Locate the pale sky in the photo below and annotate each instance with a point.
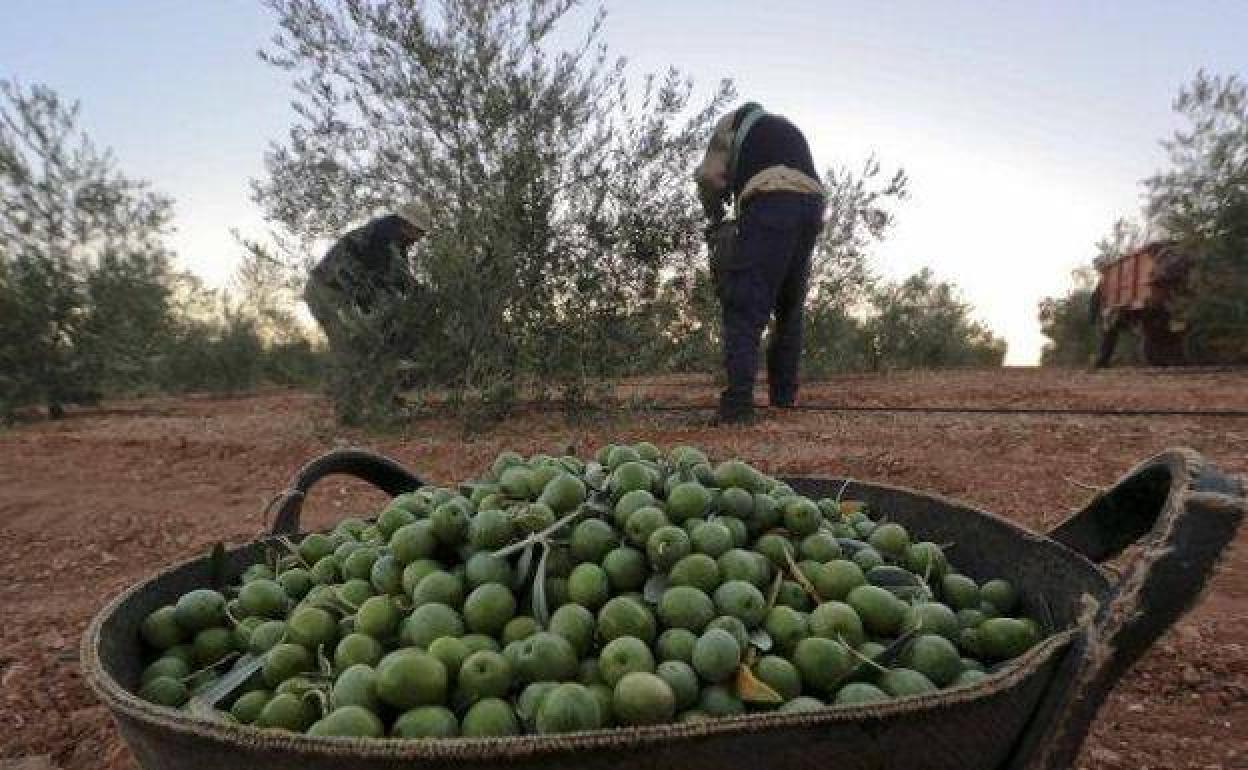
(1025, 127)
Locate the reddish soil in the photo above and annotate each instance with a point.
(93, 503)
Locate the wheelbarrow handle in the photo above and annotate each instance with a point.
(1183, 513)
(382, 472)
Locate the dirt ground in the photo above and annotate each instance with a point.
(93, 503)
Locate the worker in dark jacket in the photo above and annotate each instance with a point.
(1108, 321)
(365, 268)
(762, 164)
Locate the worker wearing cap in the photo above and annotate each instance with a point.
(361, 270)
(762, 164)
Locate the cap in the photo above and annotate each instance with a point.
(415, 214)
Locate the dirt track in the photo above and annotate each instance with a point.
(92, 504)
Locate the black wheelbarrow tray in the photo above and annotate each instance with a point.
(1178, 511)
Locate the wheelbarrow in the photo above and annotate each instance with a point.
(1178, 510)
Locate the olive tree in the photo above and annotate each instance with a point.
(1072, 322)
(860, 213)
(83, 266)
(1201, 202)
(1069, 323)
(923, 323)
(560, 187)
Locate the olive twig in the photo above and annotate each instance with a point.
(317, 694)
(229, 657)
(523, 566)
(290, 546)
(774, 592)
(862, 659)
(801, 579)
(352, 606)
(322, 661)
(841, 491)
(536, 537)
(336, 603)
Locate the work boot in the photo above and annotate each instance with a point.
(783, 399)
(733, 410)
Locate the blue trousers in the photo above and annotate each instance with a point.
(770, 275)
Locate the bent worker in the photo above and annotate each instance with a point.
(1107, 321)
(761, 164)
(366, 267)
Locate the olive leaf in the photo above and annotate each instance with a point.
(862, 668)
(197, 706)
(332, 604)
(751, 689)
(229, 657)
(796, 573)
(523, 567)
(272, 559)
(595, 477)
(774, 592)
(244, 668)
(881, 661)
(655, 586)
(597, 508)
(335, 601)
(851, 545)
(841, 492)
(292, 549)
(541, 612)
(323, 663)
(761, 639)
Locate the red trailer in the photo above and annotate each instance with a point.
(1135, 291)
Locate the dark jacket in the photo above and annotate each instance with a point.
(773, 141)
(773, 158)
(366, 260)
